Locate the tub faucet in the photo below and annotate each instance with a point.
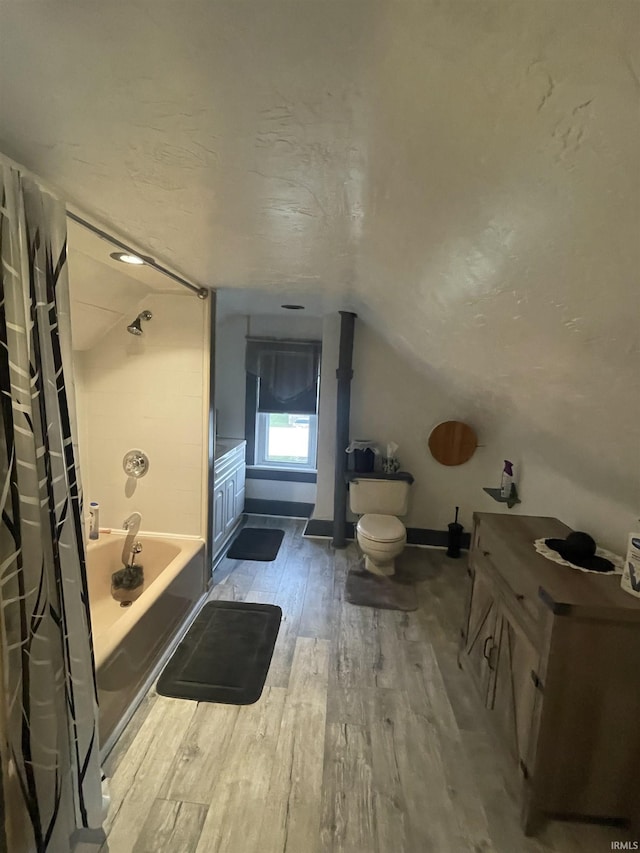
(131, 547)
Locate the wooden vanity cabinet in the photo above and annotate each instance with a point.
(554, 654)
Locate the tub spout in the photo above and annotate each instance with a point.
(132, 523)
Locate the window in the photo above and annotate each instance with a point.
(281, 421)
(286, 440)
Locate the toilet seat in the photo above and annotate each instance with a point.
(381, 528)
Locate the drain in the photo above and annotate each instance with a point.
(126, 603)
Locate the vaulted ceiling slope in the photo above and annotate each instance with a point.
(464, 174)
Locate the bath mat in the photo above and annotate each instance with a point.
(225, 655)
(365, 589)
(256, 543)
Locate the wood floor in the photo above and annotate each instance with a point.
(367, 738)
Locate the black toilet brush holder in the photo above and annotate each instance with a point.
(455, 537)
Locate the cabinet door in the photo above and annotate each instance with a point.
(240, 482)
(218, 516)
(480, 640)
(515, 690)
(229, 503)
(239, 503)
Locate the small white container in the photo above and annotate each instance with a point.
(630, 581)
(94, 520)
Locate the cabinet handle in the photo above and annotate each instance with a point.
(519, 596)
(487, 553)
(484, 649)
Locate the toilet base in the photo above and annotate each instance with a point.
(384, 569)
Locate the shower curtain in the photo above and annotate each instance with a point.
(48, 703)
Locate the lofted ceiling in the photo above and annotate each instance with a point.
(462, 174)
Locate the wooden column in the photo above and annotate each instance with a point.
(344, 374)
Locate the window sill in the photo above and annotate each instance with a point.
(273, 472)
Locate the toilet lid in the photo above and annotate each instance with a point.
(381, 528)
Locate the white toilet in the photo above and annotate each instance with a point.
(379, 499)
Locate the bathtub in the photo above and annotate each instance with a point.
(130, 641)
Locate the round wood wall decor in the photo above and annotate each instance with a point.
(452, 443)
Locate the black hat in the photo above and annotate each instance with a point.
(580, 549)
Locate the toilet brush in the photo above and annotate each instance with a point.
(455, 537)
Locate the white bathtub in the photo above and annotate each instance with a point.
(129, 641)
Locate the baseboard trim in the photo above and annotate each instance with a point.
(291, 509)
(434, 538)
(323, 528)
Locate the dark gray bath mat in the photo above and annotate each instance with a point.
(387, 593)
(225, 654)
(256, 543)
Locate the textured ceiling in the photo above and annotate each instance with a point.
(463, 174)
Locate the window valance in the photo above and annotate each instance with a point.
(288, 373)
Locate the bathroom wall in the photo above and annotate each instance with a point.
(148, 393)
(230, 375)
(392, 401)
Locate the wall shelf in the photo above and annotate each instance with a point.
(511, 501)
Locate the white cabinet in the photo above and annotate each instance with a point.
(228, 491)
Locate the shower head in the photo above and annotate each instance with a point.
(135, 328)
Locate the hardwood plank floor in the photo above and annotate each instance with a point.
(367, 738)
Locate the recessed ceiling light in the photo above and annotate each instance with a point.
(293, 307)
(126, 258)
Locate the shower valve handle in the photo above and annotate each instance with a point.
(135, 464)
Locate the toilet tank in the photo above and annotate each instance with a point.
(383, 496)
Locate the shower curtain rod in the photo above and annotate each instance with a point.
(201, 292)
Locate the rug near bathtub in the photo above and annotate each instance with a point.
(225, 655)
(256, 543)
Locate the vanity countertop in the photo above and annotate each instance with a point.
(226, 445)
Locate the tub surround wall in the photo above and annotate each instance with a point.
(149, 392)
(82, 420)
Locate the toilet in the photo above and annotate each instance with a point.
(379, 499)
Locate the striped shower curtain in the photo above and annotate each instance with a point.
(48, 706)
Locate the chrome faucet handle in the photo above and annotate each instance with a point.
(135, 463)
